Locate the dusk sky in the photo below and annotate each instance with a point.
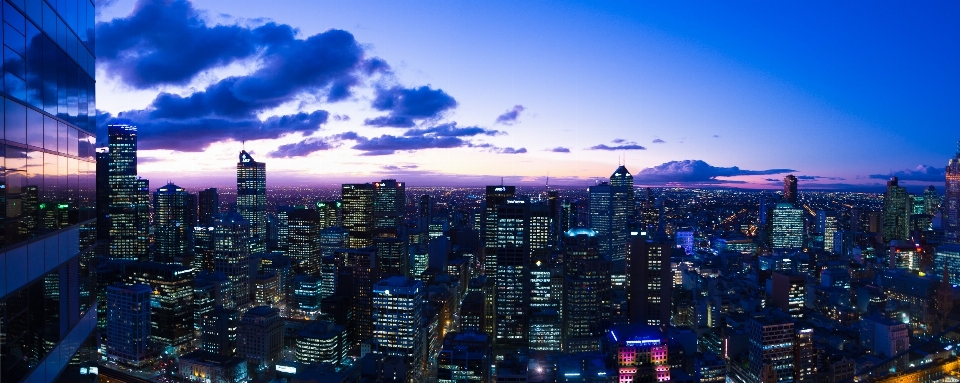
(841, 94)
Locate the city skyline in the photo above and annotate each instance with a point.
(443, 104)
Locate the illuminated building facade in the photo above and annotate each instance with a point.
(128, 323)
(170, 311)
(651, 283)
(951, 202)
(358, 214)
(771, 348)
(202, 367)
(389, 205)
(464, 358)
(231, 238)
(546, 332)
(639, 353)
(895, 212)
(129, 218)
(787, 231)
(174, 216)
(495, 196)
(307, 295)
(586, 284)
(303, 239)
(789, 292)
(252, 199)
(218, 331)
(399, 323)
(331, 213)
(512, 252)
(948, 256)
(609, 213)
(322, 342)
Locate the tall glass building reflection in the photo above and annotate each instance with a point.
(47, 188)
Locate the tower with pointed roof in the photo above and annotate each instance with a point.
(951, 203)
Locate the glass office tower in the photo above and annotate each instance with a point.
(47, 188)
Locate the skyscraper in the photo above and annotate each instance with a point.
(127, 232)
(951, 203)
(610, 208)
(172, 291)
(787, 230)
(128, 323)
(495, 196)
(231, 236)
(49, 119)
(790, 189)
(512, 254)
(586, 285)
(358, 214)
(398, 319)
(260, 337)
(389, 205)
(252, 199)
(651, 285)
(208, 206)
(771, 349)
(895, 214)
(303, 240)
(174, 216)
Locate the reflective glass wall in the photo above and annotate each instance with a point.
(47, 186)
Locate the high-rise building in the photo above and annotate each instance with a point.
(231, 236)
(650, 281)
(495, 196)
(771, 350)
(464, 357)
(128, 323)
(789, 292)
(322, 342)
(790, 189)
(331, 214)
(951, 202)
(174, 217)
(303, 239)
(49, 117)
(252, 199)
(260, 337)
(208, 206)
(129, 221)
(358, 214)
(586, 286)
(948, 256)
(641, 353)
(610, 208)
(171, 310)
(389, 205)
(398, 319)
(895, 214)
(512, 254)
(827, 226)
(787, 228)
(392, 256)
(425, 210)
(218, 331)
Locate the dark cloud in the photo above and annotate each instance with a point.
(451, 130)
(168, 42)
(196, 134)
(659, 141)
(406, 105)
(920, 173)
(509, 150)
(716, 136)
(302, 148)
(510, 117)
(696, 171)
(560, 149)
(341, 117)
(617, 147)
(618, 141)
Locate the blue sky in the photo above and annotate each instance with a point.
(730, 93)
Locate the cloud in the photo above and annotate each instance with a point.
(510, 117)
(196, 134)
(716, 136)
(341, 117)
(451, 130)
(168, 42)
(696, 171)
(406, 105)
(302, 148)
(924, 173)
(389, 144)
(659, 141)
(509, 150)
(560, 149)
(617, 147)
(618, 141)
(808, 178)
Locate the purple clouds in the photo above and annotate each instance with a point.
(923, 173)
(405, 106)
(510, 117)
(695, 171)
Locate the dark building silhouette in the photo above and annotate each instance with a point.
(208, 206)
(790, 189)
